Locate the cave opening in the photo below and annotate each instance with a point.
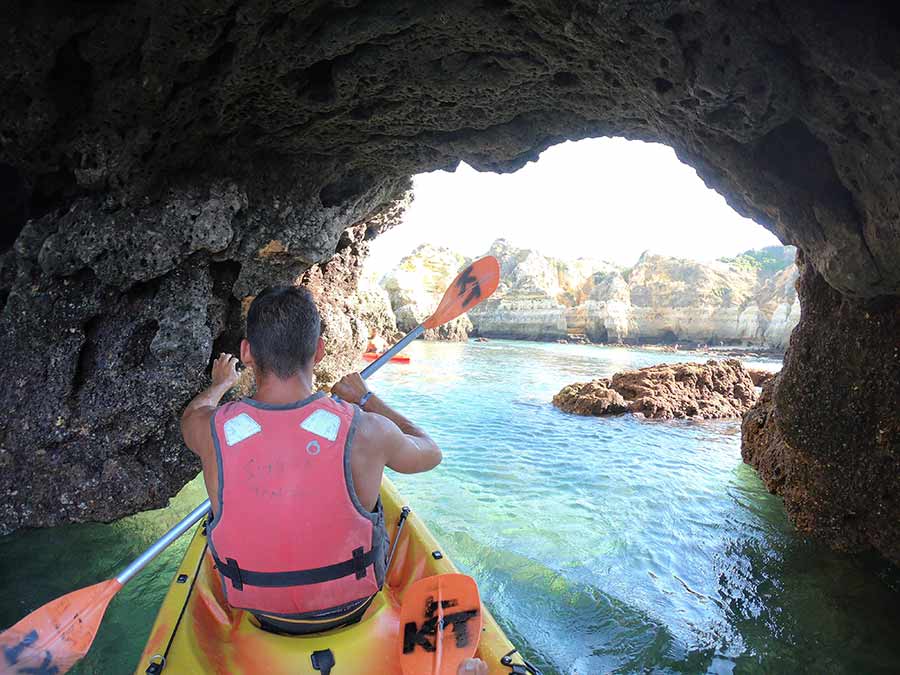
(618, 240)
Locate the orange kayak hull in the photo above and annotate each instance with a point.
(372, 356)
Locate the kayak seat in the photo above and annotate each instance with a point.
(316, 623)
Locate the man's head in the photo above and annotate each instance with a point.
(283, 333)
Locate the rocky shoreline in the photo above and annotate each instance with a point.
(747, 301)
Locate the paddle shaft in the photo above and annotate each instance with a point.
(163, 542)
(190, 519)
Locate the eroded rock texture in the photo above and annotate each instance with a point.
(825, 434)
(711, 390)
(175, 157)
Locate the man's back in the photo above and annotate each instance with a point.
(294, 477)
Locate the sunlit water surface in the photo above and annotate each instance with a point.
(601, 545)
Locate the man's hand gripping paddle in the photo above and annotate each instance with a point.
(57, 635)
(440, 624)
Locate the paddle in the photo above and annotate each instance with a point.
(57, 635)
(441, 619)
(475, 283)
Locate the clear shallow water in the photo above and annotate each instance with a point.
(601, 545)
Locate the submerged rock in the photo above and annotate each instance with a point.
(710, 390)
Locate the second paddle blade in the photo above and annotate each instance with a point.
(475, 283)
(54, 637)
(440, 624)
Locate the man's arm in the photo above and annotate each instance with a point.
(195, 420)
(404, 447)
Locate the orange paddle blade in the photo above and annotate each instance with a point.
(53, 638)
(475, 283)
(440, 622)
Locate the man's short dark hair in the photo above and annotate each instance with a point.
(283, 328)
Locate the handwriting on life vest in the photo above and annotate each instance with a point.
(12, 654)
(466, 283)
(426, 637)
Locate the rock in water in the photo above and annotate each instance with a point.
(590, 398)
(701, 391)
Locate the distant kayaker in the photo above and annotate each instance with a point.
(298, 532)
(376, 344)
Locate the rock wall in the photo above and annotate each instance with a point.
(659, 300)
(137, 135)
(111, 315)
(415, 288)
(663, 299)
(531, 301)
(825, 435)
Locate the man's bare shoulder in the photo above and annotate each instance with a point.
(196, 431)
(372, 432)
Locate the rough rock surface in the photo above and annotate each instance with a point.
(535, 292)
(708, 390)
(590, 398)
(416, 287)
(97, 408)
(663, 300)
(659, 300)
(375, 309)
(826, 433)
(761, 377)
(700, 390)
(131, 132)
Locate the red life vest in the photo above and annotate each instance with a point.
(291, 537)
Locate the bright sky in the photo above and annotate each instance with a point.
(604, 198)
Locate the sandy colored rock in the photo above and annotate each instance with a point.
(760, 377)
(590, 398)
(416, 286)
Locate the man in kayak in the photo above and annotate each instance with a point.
(298, 532)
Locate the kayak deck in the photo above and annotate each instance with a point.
(197, 632)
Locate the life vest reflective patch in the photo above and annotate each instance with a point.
(322, 423)
(240, 428)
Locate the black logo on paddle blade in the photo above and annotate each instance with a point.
(427, 636)
(466, 280)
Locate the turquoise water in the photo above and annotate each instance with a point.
(601, 545)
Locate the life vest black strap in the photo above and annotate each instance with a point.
(356, 566)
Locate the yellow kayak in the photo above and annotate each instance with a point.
(197, 632)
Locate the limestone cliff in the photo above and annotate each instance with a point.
(534, 296)
(415, 288)
(661, 299)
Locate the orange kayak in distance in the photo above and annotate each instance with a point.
(371, 356)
